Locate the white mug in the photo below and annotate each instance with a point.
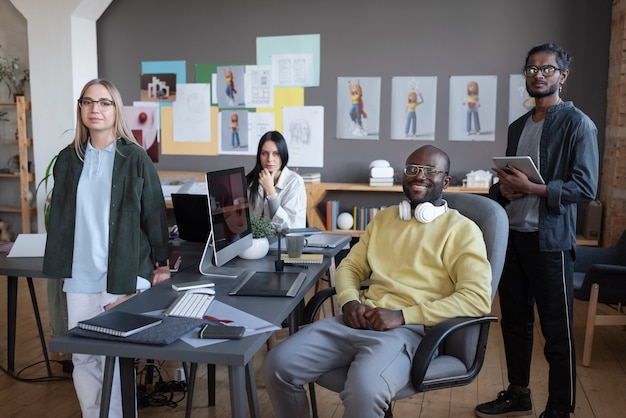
(295, 245)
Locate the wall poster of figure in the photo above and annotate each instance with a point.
(472, 115)
(413, 108)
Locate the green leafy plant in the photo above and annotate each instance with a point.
(44, 182)
(13, 76)
(261, 227)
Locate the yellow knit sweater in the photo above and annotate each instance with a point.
(432, 272)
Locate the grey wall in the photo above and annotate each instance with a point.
(367, 38)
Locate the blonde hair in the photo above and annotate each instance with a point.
(121, 126)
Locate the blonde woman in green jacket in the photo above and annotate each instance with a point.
(107, 231)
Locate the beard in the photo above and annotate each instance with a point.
(540, 94)
(433, 194)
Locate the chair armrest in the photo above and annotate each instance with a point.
(436, 336)
(314, 304)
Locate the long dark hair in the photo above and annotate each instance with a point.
(253, 176)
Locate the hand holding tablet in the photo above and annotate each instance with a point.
(523, 163)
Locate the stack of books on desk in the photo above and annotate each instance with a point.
(311, 177)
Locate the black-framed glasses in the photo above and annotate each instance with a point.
(546, 70)
(103, 103)
(411, 170)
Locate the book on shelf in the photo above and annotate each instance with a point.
(303, 259)
(119, 324)
(384, 181)
(332, 211)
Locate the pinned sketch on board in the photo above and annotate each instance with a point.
(519, 100)
(413, 108)
(234, 131)
(258, 124)
(472, 115)
(258, 81)
(192, 113)
(143, 120)
(294, 59)
(303, 129)
(230, 86)
(358, 107)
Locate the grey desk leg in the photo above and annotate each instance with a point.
(191, 384)
(42, 339)
(11, 319)
(129, 388)
(127, 377)
(253, 400)
(107, 383)
(237, 382)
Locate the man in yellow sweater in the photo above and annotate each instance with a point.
(425, 262)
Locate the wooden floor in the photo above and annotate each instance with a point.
(601, 388)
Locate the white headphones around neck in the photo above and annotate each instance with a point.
(424, 212)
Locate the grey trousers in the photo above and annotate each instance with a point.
(378, 362)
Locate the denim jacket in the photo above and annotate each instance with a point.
(568, 162)
(138, 235)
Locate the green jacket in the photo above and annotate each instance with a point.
(138, 235)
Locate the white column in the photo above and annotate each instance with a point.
(62, 54)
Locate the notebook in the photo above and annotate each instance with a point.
(192, 216)
(270, 283)
(171, 329)
(119, 324)
(303, 259)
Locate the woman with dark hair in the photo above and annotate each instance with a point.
(276, 192)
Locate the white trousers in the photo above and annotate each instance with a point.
(89, 369)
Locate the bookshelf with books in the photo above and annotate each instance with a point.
(317, 205)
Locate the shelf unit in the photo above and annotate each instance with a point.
(25, 177)
(316, 192)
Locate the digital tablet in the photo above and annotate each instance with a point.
(523, 163)
(270, 283)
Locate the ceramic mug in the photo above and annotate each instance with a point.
(295, 245)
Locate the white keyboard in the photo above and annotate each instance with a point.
(190, 305)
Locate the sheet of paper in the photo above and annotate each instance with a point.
(29, 245)
(254, 325)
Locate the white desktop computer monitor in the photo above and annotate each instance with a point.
(229, 217)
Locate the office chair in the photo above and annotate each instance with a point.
(452, 352)
(600, 278)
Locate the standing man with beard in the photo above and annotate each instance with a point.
(562, 141)
(423, 269)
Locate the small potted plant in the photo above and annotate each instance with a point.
(262, 229)
(13, 75)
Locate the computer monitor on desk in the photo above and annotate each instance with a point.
(229, 217)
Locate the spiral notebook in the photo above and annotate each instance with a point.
(120, 324)
(303, 259)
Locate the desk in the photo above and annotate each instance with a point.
(236, 354)
(14, 268)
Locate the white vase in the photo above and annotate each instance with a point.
(259, 249)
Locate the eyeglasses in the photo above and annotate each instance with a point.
(413, 170)
(104, 103)
(546, 70)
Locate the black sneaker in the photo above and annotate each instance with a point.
(508, 403)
